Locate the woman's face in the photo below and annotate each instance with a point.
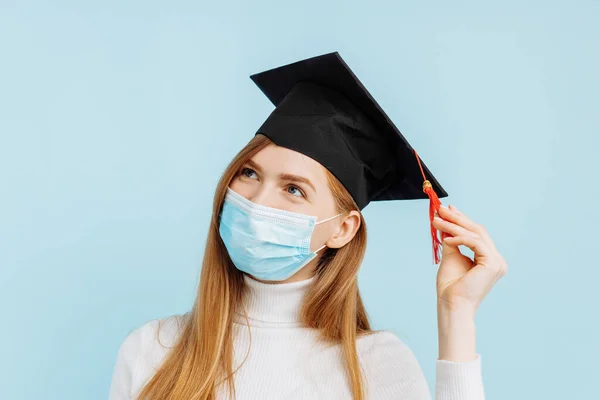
(288, 180)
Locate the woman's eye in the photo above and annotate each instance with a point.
(247, 172)
(295, 191)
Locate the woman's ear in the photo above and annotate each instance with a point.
(346, 231)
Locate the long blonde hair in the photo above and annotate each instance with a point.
(204, 351)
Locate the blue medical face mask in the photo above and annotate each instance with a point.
(268, 243)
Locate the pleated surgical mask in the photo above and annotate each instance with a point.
(266, 242)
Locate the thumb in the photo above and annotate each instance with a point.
(447, 248)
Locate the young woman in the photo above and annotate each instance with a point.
(278, 313)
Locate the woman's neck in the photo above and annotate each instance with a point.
(273, 304)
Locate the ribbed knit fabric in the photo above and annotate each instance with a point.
(287, 362)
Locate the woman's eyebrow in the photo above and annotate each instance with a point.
(285, 177)
(296, 178)
(254, 165)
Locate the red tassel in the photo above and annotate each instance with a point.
(434, 206)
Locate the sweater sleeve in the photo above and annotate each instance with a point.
(459, 380)
(395, 373)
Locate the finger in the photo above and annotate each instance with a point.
(450, 227)
(453, 208)
(444, 234)
(457, 218)
(489, 242)
(448, 248)
(476, 244)
(462, 220)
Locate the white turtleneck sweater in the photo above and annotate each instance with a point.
(287, 362)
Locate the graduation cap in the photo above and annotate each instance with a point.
(322, 110)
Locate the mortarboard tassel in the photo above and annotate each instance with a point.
(434, 206)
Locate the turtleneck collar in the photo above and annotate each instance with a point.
(273, 304)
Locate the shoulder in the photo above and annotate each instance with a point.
(391, 367)
(161, 332)
(383, 344)
(142, 351)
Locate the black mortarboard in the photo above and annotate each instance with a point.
(322, 110)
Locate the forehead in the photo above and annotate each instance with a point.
(278, 160)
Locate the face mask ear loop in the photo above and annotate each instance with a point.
(328, 219)
(325, 220)
(319, 249)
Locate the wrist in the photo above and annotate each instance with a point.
(456, 335)
(456, 306)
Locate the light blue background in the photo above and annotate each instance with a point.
(117, 119)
